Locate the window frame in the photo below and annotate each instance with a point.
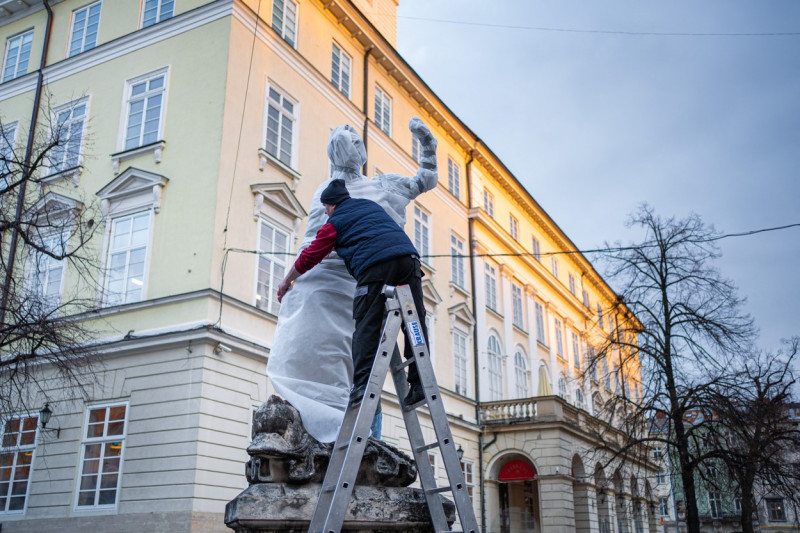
(16, 450)
(571, 282)
(160, 17)
(284, 114)
(416, 149)
(57, 168)
(453, 178)
(87, 441)
(536, 249)
(129, 100)
(423, 238)
(495, 368)
(460, 362)
(557, 328)
(457, 262)
(715, 504)
(576, 351)
(521, 373)
(663, 507)
(517, 309)
(383, 110)
(281, 29)
(110, 249)
(84, 46)
(490, 278)
(338, 70)
(468, 471)
(513, 227)
(541, 331)
(276, 228)
(8, 146)
(19, 71)
(579, 399)
(776, 509)
(554, 266)
(31, 273)
(488, 202)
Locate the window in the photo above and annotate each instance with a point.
(8, 140)
(559, 339)
(457, 275)
(469, 479)
(460, 362)
(776, 510)
(737, 502)
(540, 323)
(284, 20)
(416, 149)
(590, 361)
(516, 305)
(663, 506)
(576, 353)
(127, 258)
(340, 70)
(571, 283)
(280, 126)
(611, 325)
(453, 178)
(521, 374)
(562, 387)
(69, 123)
(495, 370)
(101, 456)
(537, 254)
(491, 287)
(513, 227)
(145, 110)
(616, 379)
(606, 375)
(578, 398)
(715, 503)
(156, 11)
(658, 454)
(554, 266)
(16, 462)
(661, 477)
(84, 28)
(422, 234)
(18, 51)
(45, 273)
(586, 300)
(600, 316)
(432, 459)
(383, 111)
(273, 246)
(488, 202)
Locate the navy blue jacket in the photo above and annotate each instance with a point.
(366, 235)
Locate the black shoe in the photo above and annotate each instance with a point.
(357, 394)
(415, 395)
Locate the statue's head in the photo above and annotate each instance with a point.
(346, 149)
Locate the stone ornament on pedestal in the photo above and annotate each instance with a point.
(287, 465)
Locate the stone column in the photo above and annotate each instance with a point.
(585, 507)
(558, 513)
(606, 511)
(509, 381)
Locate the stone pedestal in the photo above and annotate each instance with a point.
(285, 508)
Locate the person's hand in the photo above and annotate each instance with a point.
(283, 288)
(420, 130)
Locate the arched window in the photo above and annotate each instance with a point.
(495, 369)
(579, 398)
(521, 373)
(562, 387)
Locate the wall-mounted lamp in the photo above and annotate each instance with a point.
(460, 452)
(44, 419)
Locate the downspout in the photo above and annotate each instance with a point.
(475, 349)
(12, 249)
(366, 105)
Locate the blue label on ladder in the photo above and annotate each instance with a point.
(416, 332)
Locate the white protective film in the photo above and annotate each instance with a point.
(310, 363)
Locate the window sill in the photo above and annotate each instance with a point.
(494, 312)
(455, 287)
(156, 148)
(70, 173)
(519, 329)
(542, 345)
(265, 157)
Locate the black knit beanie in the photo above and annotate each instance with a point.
(335, 193)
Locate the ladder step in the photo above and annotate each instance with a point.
(404, 364)
(413, 406)
(426, 447)
(437, 490)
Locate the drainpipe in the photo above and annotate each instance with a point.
(475, 348)
(12, 248)
(366, 103)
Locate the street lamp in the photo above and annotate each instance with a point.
(460, 452)
(44, 419)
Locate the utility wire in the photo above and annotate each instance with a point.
(604, 32)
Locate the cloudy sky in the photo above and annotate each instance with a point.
(613, 113)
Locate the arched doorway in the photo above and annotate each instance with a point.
(519, 497)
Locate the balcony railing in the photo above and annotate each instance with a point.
(508, 411)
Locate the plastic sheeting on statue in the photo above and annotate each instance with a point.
(310, 363)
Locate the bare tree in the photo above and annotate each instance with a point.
(755, 433)
(677, 323)
(45, 232)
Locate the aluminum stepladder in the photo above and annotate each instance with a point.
(348, 450)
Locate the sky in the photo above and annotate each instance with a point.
(613, 113)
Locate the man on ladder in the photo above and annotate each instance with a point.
(378, 253)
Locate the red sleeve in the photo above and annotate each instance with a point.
(319, 248)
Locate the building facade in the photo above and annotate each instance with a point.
(198, 134)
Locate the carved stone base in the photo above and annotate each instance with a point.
(284, 508)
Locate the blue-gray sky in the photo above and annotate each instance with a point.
(593, 124)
